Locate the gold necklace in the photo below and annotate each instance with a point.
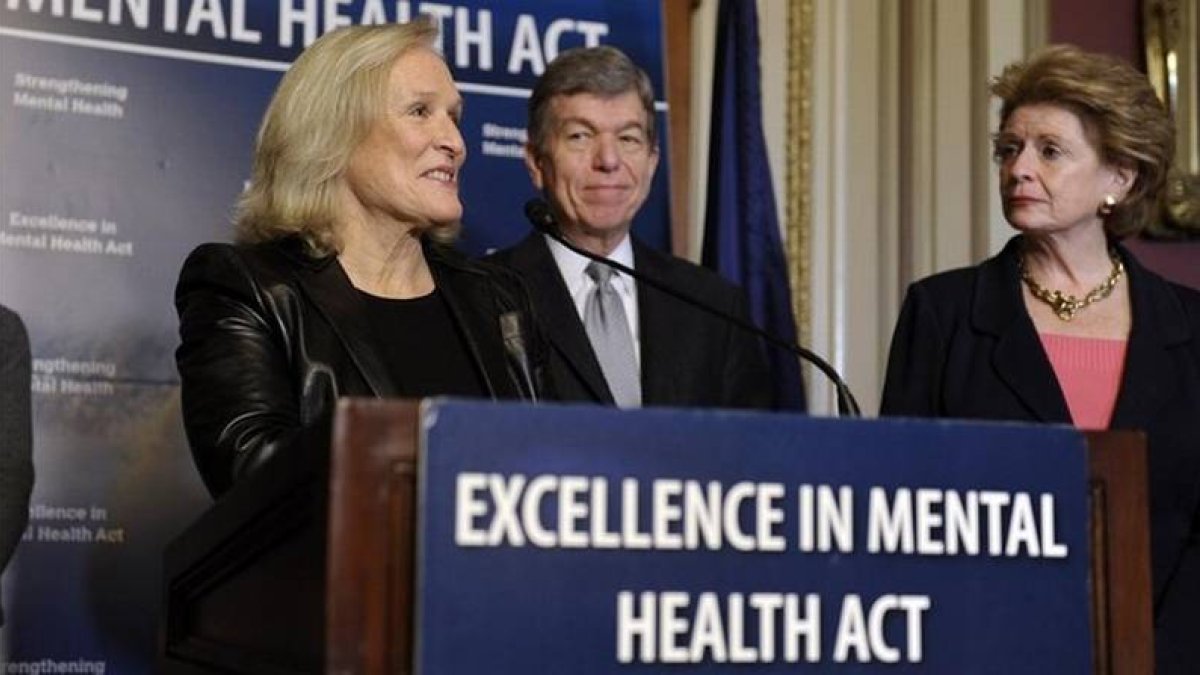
(1067, 306)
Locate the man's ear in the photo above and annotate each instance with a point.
(532, 166)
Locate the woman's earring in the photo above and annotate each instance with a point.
(1110, 203)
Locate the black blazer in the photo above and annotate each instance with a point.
(965, 347)
(688, 357)
(271, 336)
(16, 436)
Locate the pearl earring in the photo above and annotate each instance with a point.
(1109, 204)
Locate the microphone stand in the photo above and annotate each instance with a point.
(539, 215)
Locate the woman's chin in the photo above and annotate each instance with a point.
(1018, 225)
(1028, 225)
(447, 220)
(444, 230)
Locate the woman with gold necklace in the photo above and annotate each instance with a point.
(1063, 325)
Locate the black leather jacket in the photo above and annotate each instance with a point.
(272, 336)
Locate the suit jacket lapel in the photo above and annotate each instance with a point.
(656, 326)
(556, 312)
(1159, 324)
(330, 290)
(1018, 357)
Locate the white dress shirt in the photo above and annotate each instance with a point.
(571, 266)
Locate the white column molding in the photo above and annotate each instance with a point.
(937, 167)
(853, 239)
(827, 266)
(1010, 32)
(704, 41)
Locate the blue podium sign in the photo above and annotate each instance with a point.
(581, 540)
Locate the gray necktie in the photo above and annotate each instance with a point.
(608, 330)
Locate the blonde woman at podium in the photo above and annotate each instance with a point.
(342, 282)
(1064, 325)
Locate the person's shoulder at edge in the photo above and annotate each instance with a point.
(10, 322)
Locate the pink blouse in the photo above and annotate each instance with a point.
(1089, 374)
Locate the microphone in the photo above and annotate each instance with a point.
(543, 220)
(514, 344)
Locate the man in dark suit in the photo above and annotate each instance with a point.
(592, 152)
(16, 449)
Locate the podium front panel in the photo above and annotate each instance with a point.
(587, 540)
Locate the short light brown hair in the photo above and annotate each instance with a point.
(1122, 116)
(323, 109)
(601, 71)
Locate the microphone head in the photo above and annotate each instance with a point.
(539, 215)
(510, 326)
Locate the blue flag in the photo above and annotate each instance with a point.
(741, 238)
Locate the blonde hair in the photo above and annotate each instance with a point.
(323, 109)
(1121, 115)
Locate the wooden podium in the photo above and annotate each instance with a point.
(308, 565)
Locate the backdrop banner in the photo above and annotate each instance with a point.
(126, 136)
